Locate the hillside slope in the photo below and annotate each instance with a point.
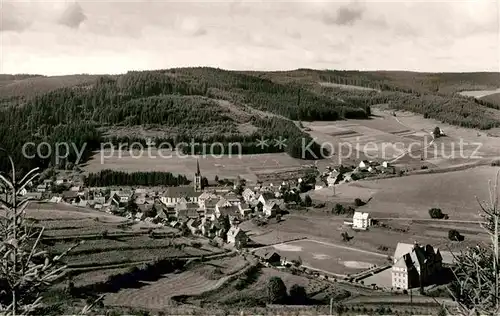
(214, 105)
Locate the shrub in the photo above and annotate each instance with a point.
(495, 163)
(455, 235)
(358, 202)
(298, 295)
(383, 248)
(276, 290)
(436, 213)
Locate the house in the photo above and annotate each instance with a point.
(272, 258)
(231, 210)
(75, 188)
(160, 210)
(223, 203)
(55, 199)
(265, 197)
(61, 181)
(210, 204)
(139, 199)
(244, 209)
(81, 203)
(70, 196)
(210, 214)
(147, 209)
(100, 199)
(361, 220)
(22, 192)
(41, 188)
(256, 205)
(232, 198)
(415, 265)
(248, 195)
(140, 216)
(123, 196)
(186, 210)
(236, 237)
(386, 164)
(33, 195)
(193, 225)
(270, 209)
(206, 196)
(140, 191)
(332, 178)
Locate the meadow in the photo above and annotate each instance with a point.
(246, 166)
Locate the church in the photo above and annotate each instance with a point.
(189, 194)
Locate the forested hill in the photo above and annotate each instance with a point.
(208, 104)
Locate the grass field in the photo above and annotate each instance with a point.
(230, 167)
(325, 257)
(411, 197)
(196, 281)
(479, 93)
(254, 290)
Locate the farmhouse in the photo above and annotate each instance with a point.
(248, 195)
(70, 196)
(272, 258)
(236, 236)
(232, 198)
(231, 210)
(41, 188)
(223, 203)
(265, 197)
(332, 178)
(361, 220)
(271, 208)
(244, 209)
(61, 181)
(414, 265)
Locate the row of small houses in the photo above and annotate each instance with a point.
(347, 174)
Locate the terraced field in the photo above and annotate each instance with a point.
(158, 295)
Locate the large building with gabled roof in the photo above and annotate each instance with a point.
(415, 265)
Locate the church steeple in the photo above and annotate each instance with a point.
(197, 178)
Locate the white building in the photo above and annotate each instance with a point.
(361, 220)
(415, 265)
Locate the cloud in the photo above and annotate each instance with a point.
(12, 18)
(115, 36)
(72, 16)
(345, 15)
(190, 26)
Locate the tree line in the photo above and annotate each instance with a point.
(154, 178)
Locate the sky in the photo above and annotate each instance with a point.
(91, 36)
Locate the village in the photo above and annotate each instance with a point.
(214, 211)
